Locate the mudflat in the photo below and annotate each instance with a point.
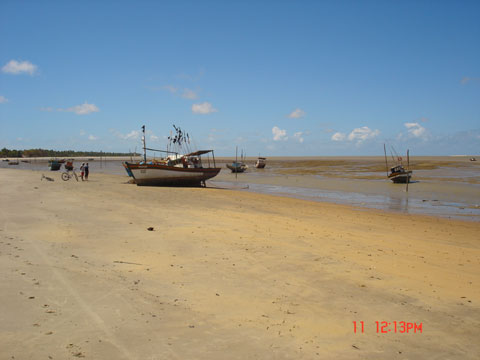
(108, 270)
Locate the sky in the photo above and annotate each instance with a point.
(273, 78)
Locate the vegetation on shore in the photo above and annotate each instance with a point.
(54, 153)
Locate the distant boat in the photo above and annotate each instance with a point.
(13, 162)
(175, 169)
(473, 159)
(7, 160)
(397, 173)
(261, 162)
(54, 164)
(237, 166)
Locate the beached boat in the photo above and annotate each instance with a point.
(175, 169)
(54, 164)
(397, 173)
(237, 167)
(261, 162)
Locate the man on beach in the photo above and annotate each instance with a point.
(86, 171)
(82, 169)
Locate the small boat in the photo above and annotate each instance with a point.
(54, 164)
(261, 162)
(473, 159)
(175, 169)
(237, 167)
(26, 161)
(398, 174)
(13, 162)
(7, 160)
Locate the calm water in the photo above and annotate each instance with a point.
(441, 186)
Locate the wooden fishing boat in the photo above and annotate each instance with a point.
(54, 165)
(261, 162)
(397, 173)
(175, 169)
(237, 167)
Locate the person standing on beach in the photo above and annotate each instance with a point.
(86, 171)
(82, 169)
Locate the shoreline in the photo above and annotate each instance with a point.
(225, 274)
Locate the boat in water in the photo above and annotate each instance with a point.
(54, 164)
(397, 173)
(176, 168)
(261, 162)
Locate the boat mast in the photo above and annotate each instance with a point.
(386, 163)
(144, 146)
(408, 168)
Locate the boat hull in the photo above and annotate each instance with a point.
(236, 168)
(163, 175)
(401, 178)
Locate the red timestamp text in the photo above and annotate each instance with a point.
(385, 327)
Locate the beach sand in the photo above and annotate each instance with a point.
(226, 275)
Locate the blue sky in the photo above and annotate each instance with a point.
(271, 77)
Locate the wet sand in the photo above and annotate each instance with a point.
(226, 274)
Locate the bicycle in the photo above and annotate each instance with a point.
(68, 174)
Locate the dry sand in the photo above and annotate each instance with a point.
(225, 275)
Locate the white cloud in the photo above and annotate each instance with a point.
(189, 94)
(92, 138)
(279, 134)
(134, 134)
(19, 67)
(153, 137)
(362, 134)
(203, 108)
(48, 109)
(83, 109)
(170, 88)
(416, 130)
(3, 99)
(338, 136)
(298, 136)
(466, 80)
(297, 113)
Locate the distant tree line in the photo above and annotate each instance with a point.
(55, 153)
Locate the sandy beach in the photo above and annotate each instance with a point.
(226, 275)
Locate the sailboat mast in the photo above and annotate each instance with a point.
(386, 163)
(144, 146)
(408, 167)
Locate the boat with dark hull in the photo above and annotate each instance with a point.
(175, 169)
(397, 173)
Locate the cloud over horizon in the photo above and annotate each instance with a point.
(279, 134)
(416, 130)
(358, 135)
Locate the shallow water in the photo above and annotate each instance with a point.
(446, 187)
